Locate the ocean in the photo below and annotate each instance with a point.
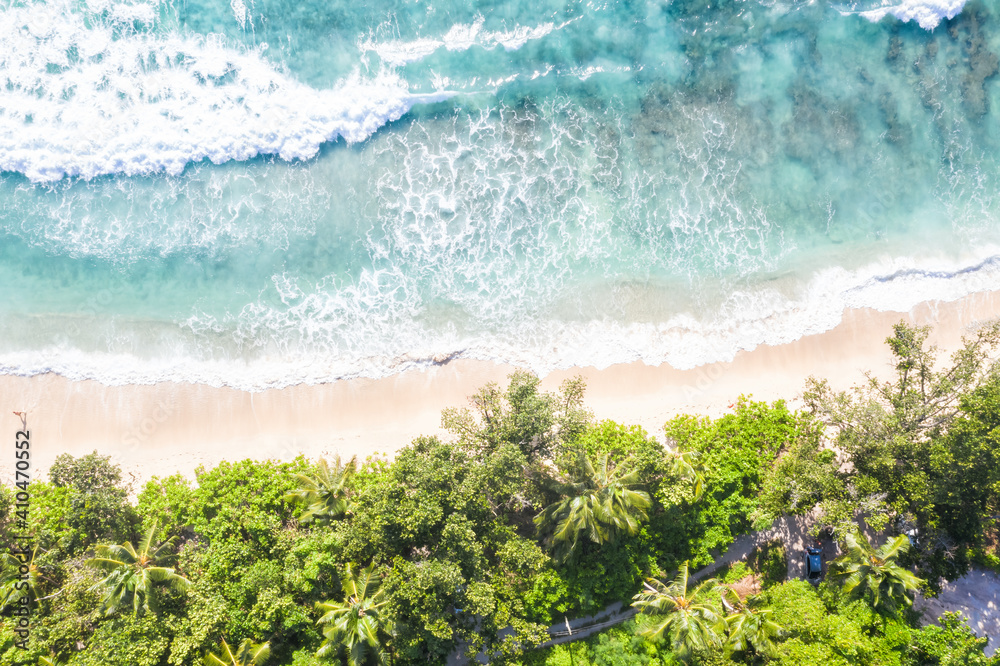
(261, 193)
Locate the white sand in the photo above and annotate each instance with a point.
(175, 427)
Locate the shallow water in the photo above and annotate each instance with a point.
(265, 193)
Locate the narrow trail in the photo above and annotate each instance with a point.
(977, 595)
(793, 531)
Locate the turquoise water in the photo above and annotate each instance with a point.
(265, 193)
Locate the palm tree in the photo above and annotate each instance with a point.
(600, 505)
(247, 654)
(748, 628)
(134, 574)
(688, 466)
(874, 573)
(356, 623)
(12, 580)
(689, 623)
(325, 494)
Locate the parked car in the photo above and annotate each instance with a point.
(814, 563)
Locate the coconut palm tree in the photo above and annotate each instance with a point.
(688, 466)
(748, 628)
(324, 495)
(247, 654)
(356, 624)
(874, 573)
(679, 615)
(133, 574)
(599, 504)
(15, 585)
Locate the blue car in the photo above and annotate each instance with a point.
(814, 564)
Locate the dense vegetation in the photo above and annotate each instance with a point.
(531, 513)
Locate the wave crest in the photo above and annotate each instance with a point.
(86, 94)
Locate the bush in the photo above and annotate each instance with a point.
(87, 473)
(951, 644)
(736, 451)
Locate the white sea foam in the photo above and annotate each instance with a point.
(81, 95)
(460, 37)
(927, 13)
(745, 321)
(240, 13)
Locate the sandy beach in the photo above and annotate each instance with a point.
(161, 429)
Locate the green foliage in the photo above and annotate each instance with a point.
(166, 503)
(310, 568)
(247, 653)
(750, 631)
(950, 644)
(88, 473)
(736, 451)
(449, 527)
(448, 520)
(324, 493)
(24, 577)
(873, 573)
(681, 615)
(6, 507)
(964, 467)
(611, 573)
(599, 503)
(134, 573)
(95, 516)
(47, 520)
(617, 646)
(243, 501)
(627, 446)
(84, 504)
(814, 635)
(426, 600)
(98, 504)
(805, 475)
(127, 640)
(207, 615)
(536, 423)
(733, 572)
(70, 617)
(357, 626)
(408, 506)
(907, 448)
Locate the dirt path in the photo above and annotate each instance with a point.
(977, 595)
(793, 531)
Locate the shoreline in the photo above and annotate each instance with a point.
(165, 428)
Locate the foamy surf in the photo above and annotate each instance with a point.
(83, 96)
(745, 321)
(460, 37)
(927, 13)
